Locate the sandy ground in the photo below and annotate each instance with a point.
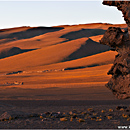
(35, 102)
(57, 93)
(111, 118)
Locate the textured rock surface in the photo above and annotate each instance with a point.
(114, 37)
(123, 6)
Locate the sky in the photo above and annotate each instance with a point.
(53, 13)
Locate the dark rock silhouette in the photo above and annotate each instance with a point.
(114, 37)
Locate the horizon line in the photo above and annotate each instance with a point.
(62, 25)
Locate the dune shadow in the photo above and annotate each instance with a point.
(13, 51)
(29, 33)
(82, 67)
(82, 33)
(26, 50)
(89, 48)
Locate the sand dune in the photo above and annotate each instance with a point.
(83, 33)
(103, 58)
(87, 49)
(90, 75)
(9, 52)
(24, 34)
(94, 25)
(50, 38)
(61, 70)
(50, 55)
(96, 38)
(58, 56)
(43, 56)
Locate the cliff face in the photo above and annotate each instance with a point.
(114, 37)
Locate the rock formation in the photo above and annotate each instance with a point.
(114, 37)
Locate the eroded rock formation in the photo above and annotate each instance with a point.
(114, 37)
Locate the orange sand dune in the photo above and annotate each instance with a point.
(50, 55)
(93, 76)
(25, 33)
(50, 38)
(90, 61)
(41, 57)
(67, 56)
(13, 30)
(96, 38)
(95, 25)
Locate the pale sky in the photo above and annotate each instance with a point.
(52, 13)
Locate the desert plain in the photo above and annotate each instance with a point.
(57, 68)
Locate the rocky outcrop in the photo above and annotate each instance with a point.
(114, 37)
(123, 6)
